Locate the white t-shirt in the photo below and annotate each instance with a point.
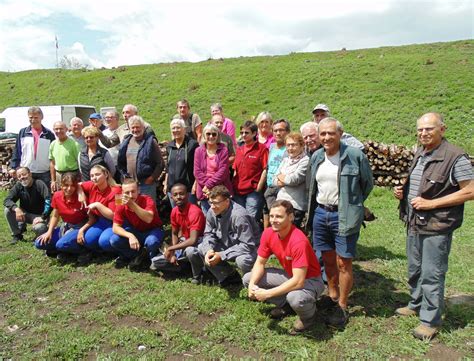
(326, 178)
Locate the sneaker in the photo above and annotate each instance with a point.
(16, 238)
(279, 312)
(326, 303)
(405, 311)
(84, 258)
(425, 333)
(196, 280)
(140, 261)
(339, 318)
(121, 262)
(302, 325)
(231, 280)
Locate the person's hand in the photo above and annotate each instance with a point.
(398, 192)
(94, 205)
(20, 215)
(80, 236)
(252, 289)
(37, 220)
(193, 190)
(54, 187)
(12, 173)
(168, 254)
(208, 255)
(133, 242)
(126, 199)
(261, 294)
(422, 204)
(214, 259)
(45, 238)
(173, 260)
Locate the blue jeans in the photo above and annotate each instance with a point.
(95, 232)
(150, 239)
(67, 243)
(148, 189)
(252, 202)
(427, 266)
(205, 206)
(104, 241)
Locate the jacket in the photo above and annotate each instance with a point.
(355, 182)
(101, 157)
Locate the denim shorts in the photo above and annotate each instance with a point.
(325, 234)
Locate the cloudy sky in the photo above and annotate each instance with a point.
(106, 33)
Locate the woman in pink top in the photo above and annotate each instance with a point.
(264, 123)
(211, 165)
(229, 126)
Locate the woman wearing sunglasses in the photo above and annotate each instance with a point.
(211, 165)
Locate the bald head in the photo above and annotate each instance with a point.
(430, 129)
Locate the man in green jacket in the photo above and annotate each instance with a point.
(340, 181)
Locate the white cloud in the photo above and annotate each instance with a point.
(147, 31)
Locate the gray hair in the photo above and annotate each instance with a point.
(179, 122)
(309, 125)
(60, 122)
(74, 119)
(132, 107)
(35, 110)
(211, 128)
(329, 120)
(216, 105)
(136, 119)
(261, 115)
(116, 113)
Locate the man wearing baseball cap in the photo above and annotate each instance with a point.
(96, 120)
(320, 112)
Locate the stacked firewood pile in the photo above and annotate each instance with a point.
(389, 163)
(6, 150)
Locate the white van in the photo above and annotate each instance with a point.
(14, 118)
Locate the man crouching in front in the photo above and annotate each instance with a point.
(299, 283)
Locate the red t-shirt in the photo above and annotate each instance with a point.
(71, 211)
(106, 197)
(189, 219)
(250, 162)
(294, 251)
(123, 213)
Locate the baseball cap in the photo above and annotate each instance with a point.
(321, 107)
(95, 116)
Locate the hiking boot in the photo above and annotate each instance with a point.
(140, 262)
(279, 312)
(231, 280)
(16, 238)
(339, 318)
(425, 333)
(326, 303)
(196, 280)
(405, 311)
(84, 259)
(302, 325)
(121, 262)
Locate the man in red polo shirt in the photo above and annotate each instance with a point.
(299, 283)
(137, 228)
(187, 226)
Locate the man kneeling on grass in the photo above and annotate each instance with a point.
(136, 226)
(231, 234)
(299, 283)
(187, 227)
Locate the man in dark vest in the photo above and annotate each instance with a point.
(431, 205)
(140, 157)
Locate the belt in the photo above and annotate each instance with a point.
(328, 208)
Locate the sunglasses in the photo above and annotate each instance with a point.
(211, 134)
(245, 133)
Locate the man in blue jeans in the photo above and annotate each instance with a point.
(340, 181)
(137, 228)
(431, 205)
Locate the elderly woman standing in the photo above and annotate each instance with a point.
(180, 167)
(265, 132)
(250, 171)
(211, 165)
(93, 154)
(291, 176)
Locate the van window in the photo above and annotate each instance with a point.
(2, 124)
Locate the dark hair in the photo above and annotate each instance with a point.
(285, 204)
(184, 102)
(219, 190)
(252, 126)
(25, 168)
(69, 177)
(286, 122)
(179, 185)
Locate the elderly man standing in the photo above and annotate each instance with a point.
(309, 131)
(76, 125)
(140, 157)
(32, 147)
(63, 155)
(34, 208)
(231, 234)
(112, 124)
(192, 120)
(340, 181)
(432, 201)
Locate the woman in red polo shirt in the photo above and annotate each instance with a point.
(250, 171)
(66, 206)
(100, 192)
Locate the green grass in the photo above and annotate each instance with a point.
(68, 312)
(376, 93)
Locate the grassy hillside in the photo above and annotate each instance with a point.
(376, 93)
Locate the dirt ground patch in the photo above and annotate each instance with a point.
(440, 352)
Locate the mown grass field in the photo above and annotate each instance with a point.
(49, 311)
(376, 93)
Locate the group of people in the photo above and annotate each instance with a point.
(224, 191)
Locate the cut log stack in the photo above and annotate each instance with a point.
(6, 150)
(389, 163)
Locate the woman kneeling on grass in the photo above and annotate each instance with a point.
(62, 241)
(100, 192)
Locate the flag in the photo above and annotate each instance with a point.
(57, 45)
